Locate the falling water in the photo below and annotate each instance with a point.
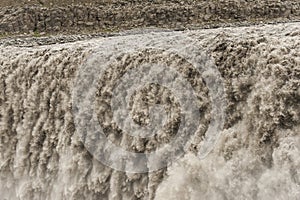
(256, 155)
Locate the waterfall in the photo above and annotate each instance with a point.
(255, 155)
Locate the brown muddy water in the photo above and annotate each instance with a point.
(255, 156)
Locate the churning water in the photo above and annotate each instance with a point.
(46, 151)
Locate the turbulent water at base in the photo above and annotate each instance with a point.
(257, 155)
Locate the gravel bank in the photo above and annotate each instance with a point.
(37, 19)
